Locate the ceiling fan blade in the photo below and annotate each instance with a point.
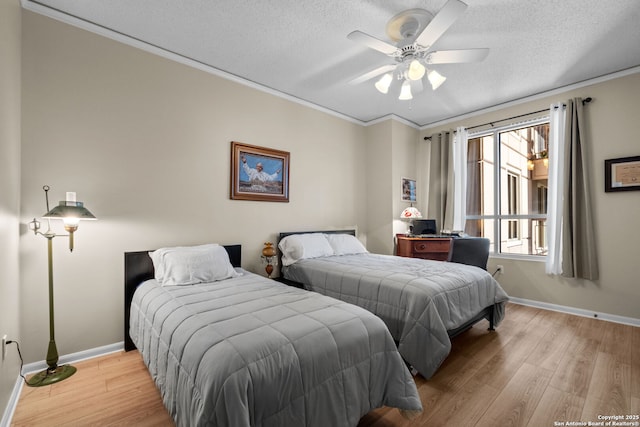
(456, 56)
(441, 22)
(373, 73)
(372, 42)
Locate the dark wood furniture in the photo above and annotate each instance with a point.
(434, 248)
(138, 267)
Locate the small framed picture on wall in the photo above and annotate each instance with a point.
(408, 190)
(622, 174)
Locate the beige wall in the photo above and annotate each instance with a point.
(145, 143)
(613, 131)
(9, 190)
(390, 156)
(405, 163)
(379, 183)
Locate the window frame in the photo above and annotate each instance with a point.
(498, 217)
(513, 202)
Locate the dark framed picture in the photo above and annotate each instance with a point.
(408, 190)
(622, 174)
(259, 173)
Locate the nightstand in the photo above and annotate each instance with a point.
(434, 248)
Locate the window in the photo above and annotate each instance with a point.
(507, 172)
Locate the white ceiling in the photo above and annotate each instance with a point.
(300, 48)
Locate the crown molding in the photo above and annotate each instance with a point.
(552, 92)
(74, 21)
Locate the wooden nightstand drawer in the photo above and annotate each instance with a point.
(432, 246)
(435, 248)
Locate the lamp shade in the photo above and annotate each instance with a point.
(383, 84)
(69, 211)
(405, 91)
(416, 70)
(435, 78)
(410, 213)
(268, 251)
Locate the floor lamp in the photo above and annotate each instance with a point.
(70, 212)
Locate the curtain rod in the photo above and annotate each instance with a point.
(584, 101)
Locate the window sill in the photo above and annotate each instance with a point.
(519, 257)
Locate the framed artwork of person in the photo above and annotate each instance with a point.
(259, 173)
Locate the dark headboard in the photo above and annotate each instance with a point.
(138, 267)
(350, 231)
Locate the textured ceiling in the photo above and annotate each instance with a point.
(300, 48)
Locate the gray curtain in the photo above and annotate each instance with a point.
(579, 255)
(440, 203)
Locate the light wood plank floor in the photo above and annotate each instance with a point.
(538, 368)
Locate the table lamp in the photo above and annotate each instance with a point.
(410, 213)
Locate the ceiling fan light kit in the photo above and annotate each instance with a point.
(385, 81)
(414, 32)
(435, 78)
(405, 91)
(416, 70)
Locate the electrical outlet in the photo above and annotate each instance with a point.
(500, 268)
(4, 346)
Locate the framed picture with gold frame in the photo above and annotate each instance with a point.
(622, 174)
(259, 173)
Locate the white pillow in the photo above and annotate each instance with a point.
(189, 265)
(345, 244)
(158, 257)
(302, 246)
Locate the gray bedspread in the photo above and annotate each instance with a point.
(419, 300)
(249, 351)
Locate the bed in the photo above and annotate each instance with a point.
(423, 303)
(246, 350)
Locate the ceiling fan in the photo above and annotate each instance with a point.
(414, 31)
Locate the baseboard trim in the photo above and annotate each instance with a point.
(39, 366)
(577, 311)
(11, 405)
(75, 357)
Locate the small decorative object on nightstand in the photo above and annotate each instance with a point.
(410, 214)
(269, 254)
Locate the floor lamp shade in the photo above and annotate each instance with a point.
(71, 212)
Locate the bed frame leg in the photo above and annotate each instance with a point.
(491, 314)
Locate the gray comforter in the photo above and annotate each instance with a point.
(251, 351)
(419, 300)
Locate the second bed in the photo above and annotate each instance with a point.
(423, 303)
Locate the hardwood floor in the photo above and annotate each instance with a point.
(112, 390)
(539, 368)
